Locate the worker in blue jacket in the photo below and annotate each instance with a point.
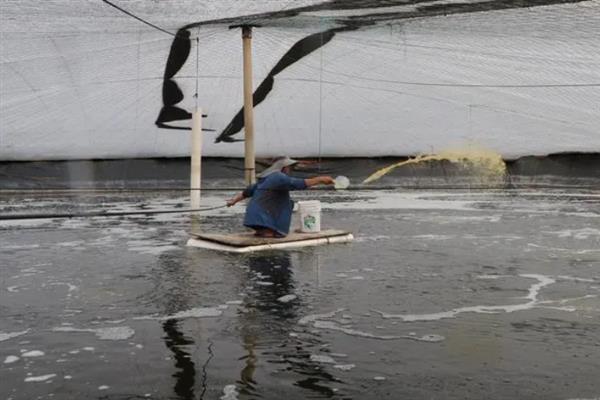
(269, 211)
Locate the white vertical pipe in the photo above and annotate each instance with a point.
(196, 163)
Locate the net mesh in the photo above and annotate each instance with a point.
(80, 79)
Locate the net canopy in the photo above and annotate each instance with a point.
(86, 79)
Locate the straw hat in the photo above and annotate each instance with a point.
(277, 166)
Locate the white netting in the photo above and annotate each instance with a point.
(79, 79)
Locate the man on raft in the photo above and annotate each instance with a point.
(269, 211)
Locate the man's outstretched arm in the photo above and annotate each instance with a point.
(319, 180)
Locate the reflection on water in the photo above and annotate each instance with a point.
(275, 271)
(266, 326)
(185, 375)
(264, 321)
(173, 289)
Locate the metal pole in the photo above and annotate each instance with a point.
(249, 162)
(196, 164)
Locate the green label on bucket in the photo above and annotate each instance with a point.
(309, 221)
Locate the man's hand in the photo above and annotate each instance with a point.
(238, 197)
(319, 180)
(327, 180)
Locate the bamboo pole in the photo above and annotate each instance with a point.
(196, 163)
(249, 159)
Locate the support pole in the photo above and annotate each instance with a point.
(249, 161)
(196, 164)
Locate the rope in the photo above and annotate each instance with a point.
(354, 188)
(102, 214)
(139, 19)
(440, 84)
(472, 85)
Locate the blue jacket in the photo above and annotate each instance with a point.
(270, 205)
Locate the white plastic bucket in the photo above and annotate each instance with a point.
(310, 216)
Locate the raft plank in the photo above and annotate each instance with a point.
(244, 239)
(247, 242)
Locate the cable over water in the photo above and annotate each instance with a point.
(104, 214)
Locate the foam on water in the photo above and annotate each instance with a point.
(20, 247)
(229, 393)
(536, 287)
(116, 321)
(562, 249)
(532, 296)
(11, 359)
(329, 325)
(114, 333)
(198, 312)
(388, 200)
(311, 318)
(344, 367)
(33, 353)
(575, 279)
(583, 398)
(432, 338)
(30, 223)
(261, 276)
(433, 237)
(395, 200)
(569, 300)
(40, 378)
(70, 244)
(373, 238)
(287, 298)
(128, 232)
(339, 355)
(487, 276)
(583, 233)
(154, 249)
(110, 333)
(320, 358)
(10, 335)
(70, 286)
